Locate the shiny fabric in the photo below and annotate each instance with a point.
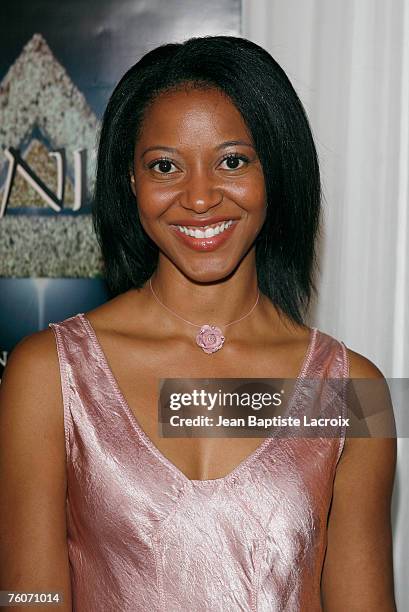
(144, 537)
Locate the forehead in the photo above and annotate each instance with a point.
(193, 115)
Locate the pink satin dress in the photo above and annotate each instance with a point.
(142, 537)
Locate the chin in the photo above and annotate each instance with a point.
(208, 267)
(208, 275)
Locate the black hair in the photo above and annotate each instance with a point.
(275, 117)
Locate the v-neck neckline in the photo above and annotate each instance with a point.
(233, 474)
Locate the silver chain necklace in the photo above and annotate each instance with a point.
(210, 338)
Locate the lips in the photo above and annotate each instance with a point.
(204, 243)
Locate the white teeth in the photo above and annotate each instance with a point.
(206, 232)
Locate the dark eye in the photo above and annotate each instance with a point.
(234, 162)
(164, 166)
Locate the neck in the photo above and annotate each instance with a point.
(216, 303)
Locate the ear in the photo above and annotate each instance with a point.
(132, 179)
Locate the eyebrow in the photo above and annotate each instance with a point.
(228, 143)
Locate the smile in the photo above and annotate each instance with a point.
(207, 237)
(208, 231)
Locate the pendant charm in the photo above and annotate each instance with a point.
(210, 338)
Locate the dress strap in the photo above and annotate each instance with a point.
(65, 338)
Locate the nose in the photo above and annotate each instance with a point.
(200, 193)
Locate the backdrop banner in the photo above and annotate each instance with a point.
(59, 63)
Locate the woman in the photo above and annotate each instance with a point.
(207, 207)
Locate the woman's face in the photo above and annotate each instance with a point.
(196, 169)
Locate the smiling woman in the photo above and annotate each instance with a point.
(267, 136)
(210, 168)
(207, 208)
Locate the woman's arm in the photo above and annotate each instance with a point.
(33, 544)
(358, 567)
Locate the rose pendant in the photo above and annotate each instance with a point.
(210, 338)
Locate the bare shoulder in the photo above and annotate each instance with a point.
(34, 357)
(362, 367)
(30, 389)
(39, 344)
(378, 450)
(31, 404)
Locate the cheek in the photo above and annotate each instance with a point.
(151, 200)
(249, 194)
(259, 189)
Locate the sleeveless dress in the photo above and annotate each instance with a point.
(143, 537)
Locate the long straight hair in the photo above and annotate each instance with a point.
(275, 117)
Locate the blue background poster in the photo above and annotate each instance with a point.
(59, 63)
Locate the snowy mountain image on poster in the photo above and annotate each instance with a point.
(44, 119)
